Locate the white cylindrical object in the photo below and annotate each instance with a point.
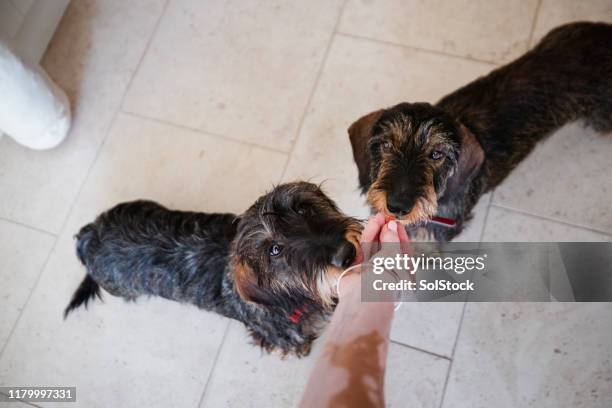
(33, 109)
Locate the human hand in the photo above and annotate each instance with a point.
(378, 230)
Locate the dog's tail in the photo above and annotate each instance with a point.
(88, 288)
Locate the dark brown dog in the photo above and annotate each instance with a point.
(420, 162)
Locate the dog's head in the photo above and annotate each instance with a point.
(410, 156)
(291, 245)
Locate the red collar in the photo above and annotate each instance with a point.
(443, 221)
(297, 314)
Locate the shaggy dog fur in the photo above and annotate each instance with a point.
(272, 268)
(417, 161)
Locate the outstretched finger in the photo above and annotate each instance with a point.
(370, 238)
(372, 229)
(389, 232)
(404, 239)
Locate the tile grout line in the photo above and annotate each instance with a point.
(413, 48)
(12, 2)
(170, 123)
(142, 57)
(545, 218)
(452, 358)
(431, 353)
(21, 224)
(214, 366)
(77, 195)
(203, 132)
(465, 304)
(313, 89)
(25, 303)
(534, 23)
(486, 218)
(461, 319)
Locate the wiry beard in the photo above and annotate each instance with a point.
(424, 207)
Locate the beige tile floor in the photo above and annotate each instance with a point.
(204, 105)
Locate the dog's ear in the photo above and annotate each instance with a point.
(469, 161)
(247, 286)
(360, 133)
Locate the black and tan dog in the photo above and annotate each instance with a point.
(420, 162)
(273, 268)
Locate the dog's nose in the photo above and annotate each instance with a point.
(398, 207)
(344, 256)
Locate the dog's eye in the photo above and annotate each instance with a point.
(386, 146)
(275, 250)
(437, 155)
(302, 210)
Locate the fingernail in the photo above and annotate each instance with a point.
(392, 225)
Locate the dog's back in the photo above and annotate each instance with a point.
(579, 57)
(141, 248)
(566, 77)
(476, 135)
